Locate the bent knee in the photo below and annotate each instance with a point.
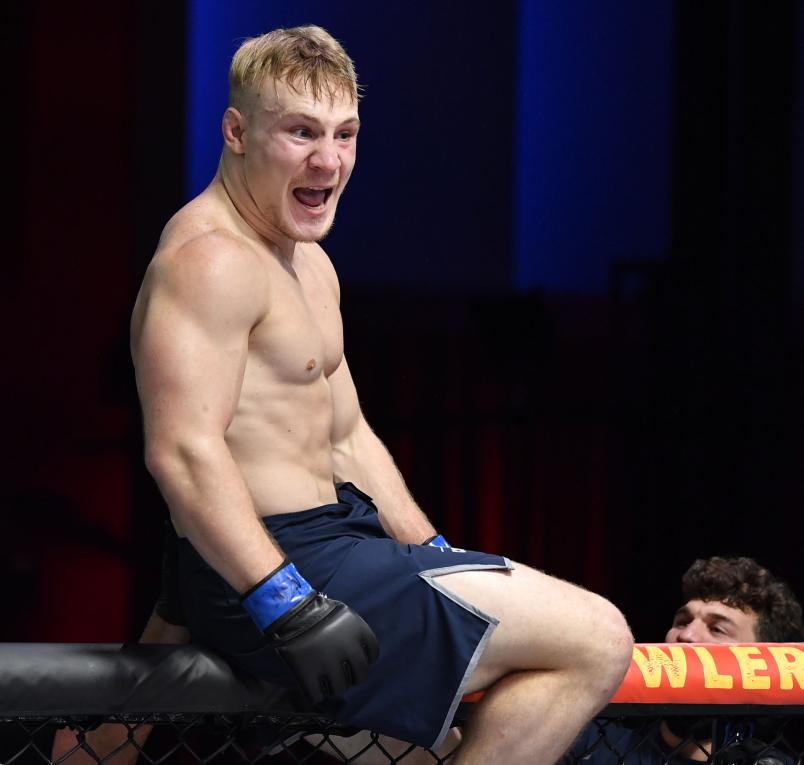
(611, 645)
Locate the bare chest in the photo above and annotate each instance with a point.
(301, 337)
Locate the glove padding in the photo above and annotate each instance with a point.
(327, 646)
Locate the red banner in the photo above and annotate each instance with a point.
(714, 673)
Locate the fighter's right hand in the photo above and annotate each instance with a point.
(325, 644)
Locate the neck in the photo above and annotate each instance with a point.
(691, 750)
(229, 177)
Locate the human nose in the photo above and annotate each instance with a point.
(690, 633)
(325, 157)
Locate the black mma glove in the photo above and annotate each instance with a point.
(325, 644)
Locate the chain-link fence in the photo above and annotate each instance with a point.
(199, 738)
(730, 738)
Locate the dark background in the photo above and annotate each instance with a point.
(571, 260)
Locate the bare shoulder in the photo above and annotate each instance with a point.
(209, 277)
(216, 255)
(206, 267)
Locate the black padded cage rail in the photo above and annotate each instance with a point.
(121, 704)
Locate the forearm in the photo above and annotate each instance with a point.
(210, 501)
(364, 460)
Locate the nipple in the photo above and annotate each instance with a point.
(310, 365)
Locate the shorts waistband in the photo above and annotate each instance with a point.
(306, 515)
(349, 496)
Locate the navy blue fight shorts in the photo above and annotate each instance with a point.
(430, 640)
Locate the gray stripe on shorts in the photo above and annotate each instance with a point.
(430, 576)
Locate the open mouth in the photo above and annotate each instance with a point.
(312, 197)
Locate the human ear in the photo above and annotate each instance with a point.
(233, 128)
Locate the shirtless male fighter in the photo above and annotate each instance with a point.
(254, 433)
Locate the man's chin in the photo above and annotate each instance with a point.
(307, 233)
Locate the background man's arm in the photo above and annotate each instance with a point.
(113, 737)
(360, 457)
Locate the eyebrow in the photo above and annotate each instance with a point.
(709, 616)
(721, 618)
(312, 118)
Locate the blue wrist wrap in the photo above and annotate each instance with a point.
(438, 541)
(276, 596)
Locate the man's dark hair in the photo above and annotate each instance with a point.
(742, 583)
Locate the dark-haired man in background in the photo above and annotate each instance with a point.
(727, 600)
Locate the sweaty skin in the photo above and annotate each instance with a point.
(248, 404)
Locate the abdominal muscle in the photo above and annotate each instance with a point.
(280, 440)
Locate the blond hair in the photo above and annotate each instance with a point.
(304, 58)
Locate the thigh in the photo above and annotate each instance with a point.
(544, 622)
